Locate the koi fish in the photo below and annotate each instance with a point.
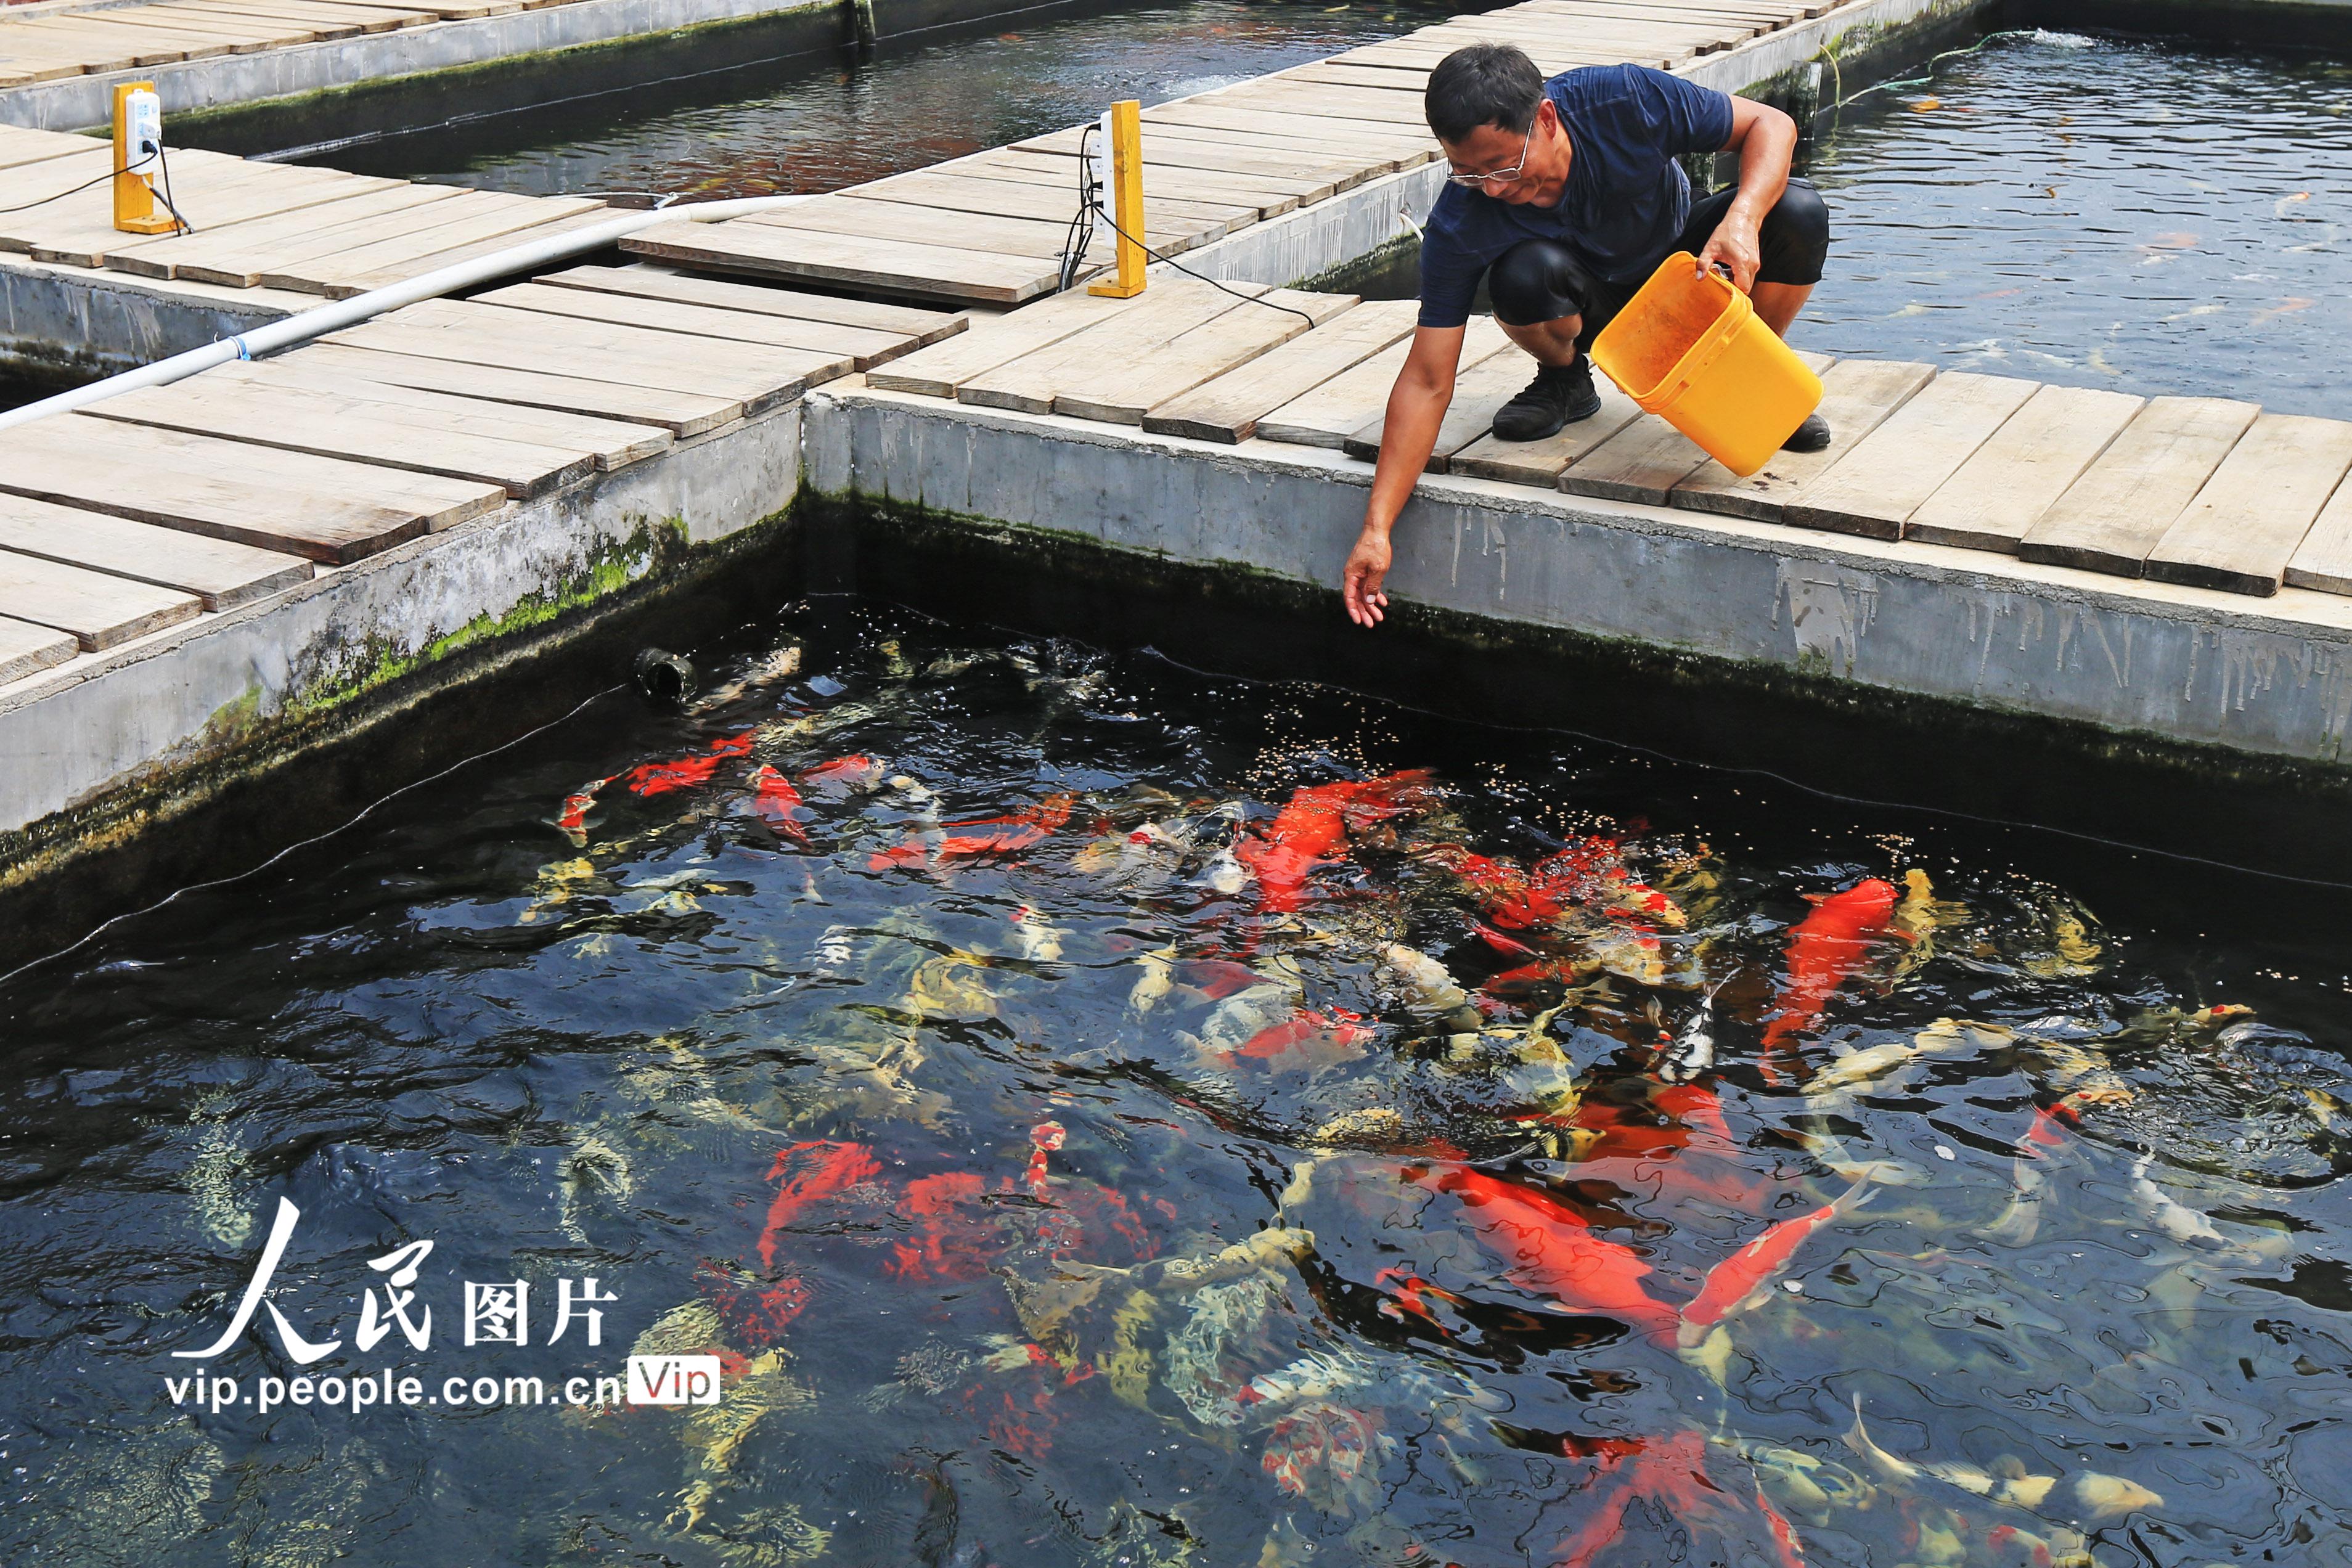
(1672, 1472)
(683, 773)
(2097, 1495)
(852, 774)
(809, 1172)
(1409, 1293)
(1691, 1051)
(571, 817)
(1310, 1039)
(1825, 949)
(774, 798)
(990, 835)
(1312, 828)
(2170, 1215)
(1548, 1249)
(1746, 1278)
(2022, 1218)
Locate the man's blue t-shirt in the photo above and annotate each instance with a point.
(1626, 198)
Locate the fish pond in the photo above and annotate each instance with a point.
(1091, 1112)
(718, 126)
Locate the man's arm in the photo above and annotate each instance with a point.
(1765, 140)
(1417, 406)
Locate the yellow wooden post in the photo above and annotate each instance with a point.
(1127, 201)
(138, 119)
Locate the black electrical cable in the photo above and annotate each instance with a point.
(1093, 205)
(1081, 232)
(61, 196)
(164, 158)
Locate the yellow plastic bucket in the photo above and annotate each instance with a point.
(1690, 349)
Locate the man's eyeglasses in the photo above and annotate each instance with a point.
(1509, 176)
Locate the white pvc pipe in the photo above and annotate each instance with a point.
(291, 330)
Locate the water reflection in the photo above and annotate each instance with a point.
(1097, 1114)
(2134, 216)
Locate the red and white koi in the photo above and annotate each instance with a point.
(1311, 829)
(1746, 1278)
(1825, 948)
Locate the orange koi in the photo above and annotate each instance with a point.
(1309, 1039)
(1825, 949)
(1746, 1278)
(773, 798)
(1671, 1471)
(1409, 1293)
(571, 817)
(683, 773)
(843, 775)
(1548, 1249)
(809, 1172)
(1312, 828)
(987, 836)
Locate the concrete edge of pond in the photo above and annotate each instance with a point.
(2175, 667)
(85, 322)
(128, 740)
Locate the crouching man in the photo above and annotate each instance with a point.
(1565, 195)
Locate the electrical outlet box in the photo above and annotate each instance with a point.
(143, 129)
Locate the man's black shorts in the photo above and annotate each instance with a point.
(1541, 280)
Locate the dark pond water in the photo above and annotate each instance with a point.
(1100, 1114)
(2103, 214)
(794, 125)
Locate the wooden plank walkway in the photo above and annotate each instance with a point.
(50, 43)
(159, 507)
(2200, 491)
(993, 224)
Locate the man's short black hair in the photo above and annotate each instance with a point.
(1483, 84)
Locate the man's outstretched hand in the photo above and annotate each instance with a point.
(1368, 568)
(1736, 245)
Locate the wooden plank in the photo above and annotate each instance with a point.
(944, 368)
(321, 26)
(904, 267)
(2248, 520)
(1857, 394)
(251, 35)
(51, 460)
(965, 230)
(100, 48)
(1012, 198)
(80, 231)
(436, 502)
(1883, 476)
(20, 147)
(1640, 463)
(349, 234)
(683, 414)
(611, 443)
(1375, 150)
(1391, 136)
(410, 253)
(400, 269)
(1185, 184)
(2324, 560)
(1311, 177)
(1994, 498)
(1285, 94)
(333, 21)
(1228, 408)
(2109, 519)
(1123, 392)
(339, 426)
(465, 333)
(240, 253)
(862, 344)
(1539, 463)
(221, 575)
(1200, 165)
(99, 611)
(920, 327)
(1031, 383)
(27, 650)
(26, 73)
(1480, 388)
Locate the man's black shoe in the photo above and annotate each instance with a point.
(1559, 395)
(1813, 436)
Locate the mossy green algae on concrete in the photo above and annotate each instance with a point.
(337, 675)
